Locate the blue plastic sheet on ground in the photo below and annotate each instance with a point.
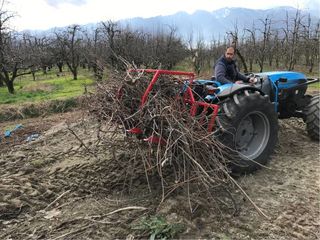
(18, 126)
(8, 132)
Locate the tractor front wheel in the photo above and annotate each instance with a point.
(249, 126)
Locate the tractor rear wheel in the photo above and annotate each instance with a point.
(249, 129)
(312, 118)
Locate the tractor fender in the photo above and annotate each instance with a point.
(231, 89)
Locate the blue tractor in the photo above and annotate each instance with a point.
(244, 117)
(248, 114)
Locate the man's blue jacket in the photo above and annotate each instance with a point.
(226, 72)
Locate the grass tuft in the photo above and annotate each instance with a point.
(158, 228)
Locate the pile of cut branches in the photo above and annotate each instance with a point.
(165, 143)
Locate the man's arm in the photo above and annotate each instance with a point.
(220, 72)
(242, 77)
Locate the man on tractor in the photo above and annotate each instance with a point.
(225, 69)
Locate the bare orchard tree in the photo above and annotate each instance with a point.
(264, 43)
(131, 45)
(173, 50)
(36, 53)
(1, 82)
(162, 49)
(309, 43)
(5, 36)
(95, 52)
(198, 53)
(13, 61)
(251, 46)
(42, 52)
(235, 42)
(4, 18)
(111, 30)
(165, 48)
(314, 43)
(31, 52)
(56, 51)
(291, 40)
(70, 49)
(276, 49)
(216, 49)
(134, 48)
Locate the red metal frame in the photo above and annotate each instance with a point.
(188, 96)
(157, 73)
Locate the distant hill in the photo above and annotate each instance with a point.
(208, 25)
(215, 24)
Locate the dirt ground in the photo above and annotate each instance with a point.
(51, 188)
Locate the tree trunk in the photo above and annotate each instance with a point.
(311, 64)
(250, 65)
(74, 70)
(33, 75)
(292, 64)
(1, 82)
(44, 70)
(242, 61)
(261, 66)
(75, 74)
(60, 65)
(10, 87)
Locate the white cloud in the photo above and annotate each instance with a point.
(44, 14)
(56, 3)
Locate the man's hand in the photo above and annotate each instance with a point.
(252, 80)
(238, 82)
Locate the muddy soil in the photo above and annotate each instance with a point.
(52, 188)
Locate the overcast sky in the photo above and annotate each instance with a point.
(45, 14)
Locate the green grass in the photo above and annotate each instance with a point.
(157, 227)
(185, 65)
(46, 87)
(314, 86)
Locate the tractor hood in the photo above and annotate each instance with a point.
(276, 75)
(284, 79)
